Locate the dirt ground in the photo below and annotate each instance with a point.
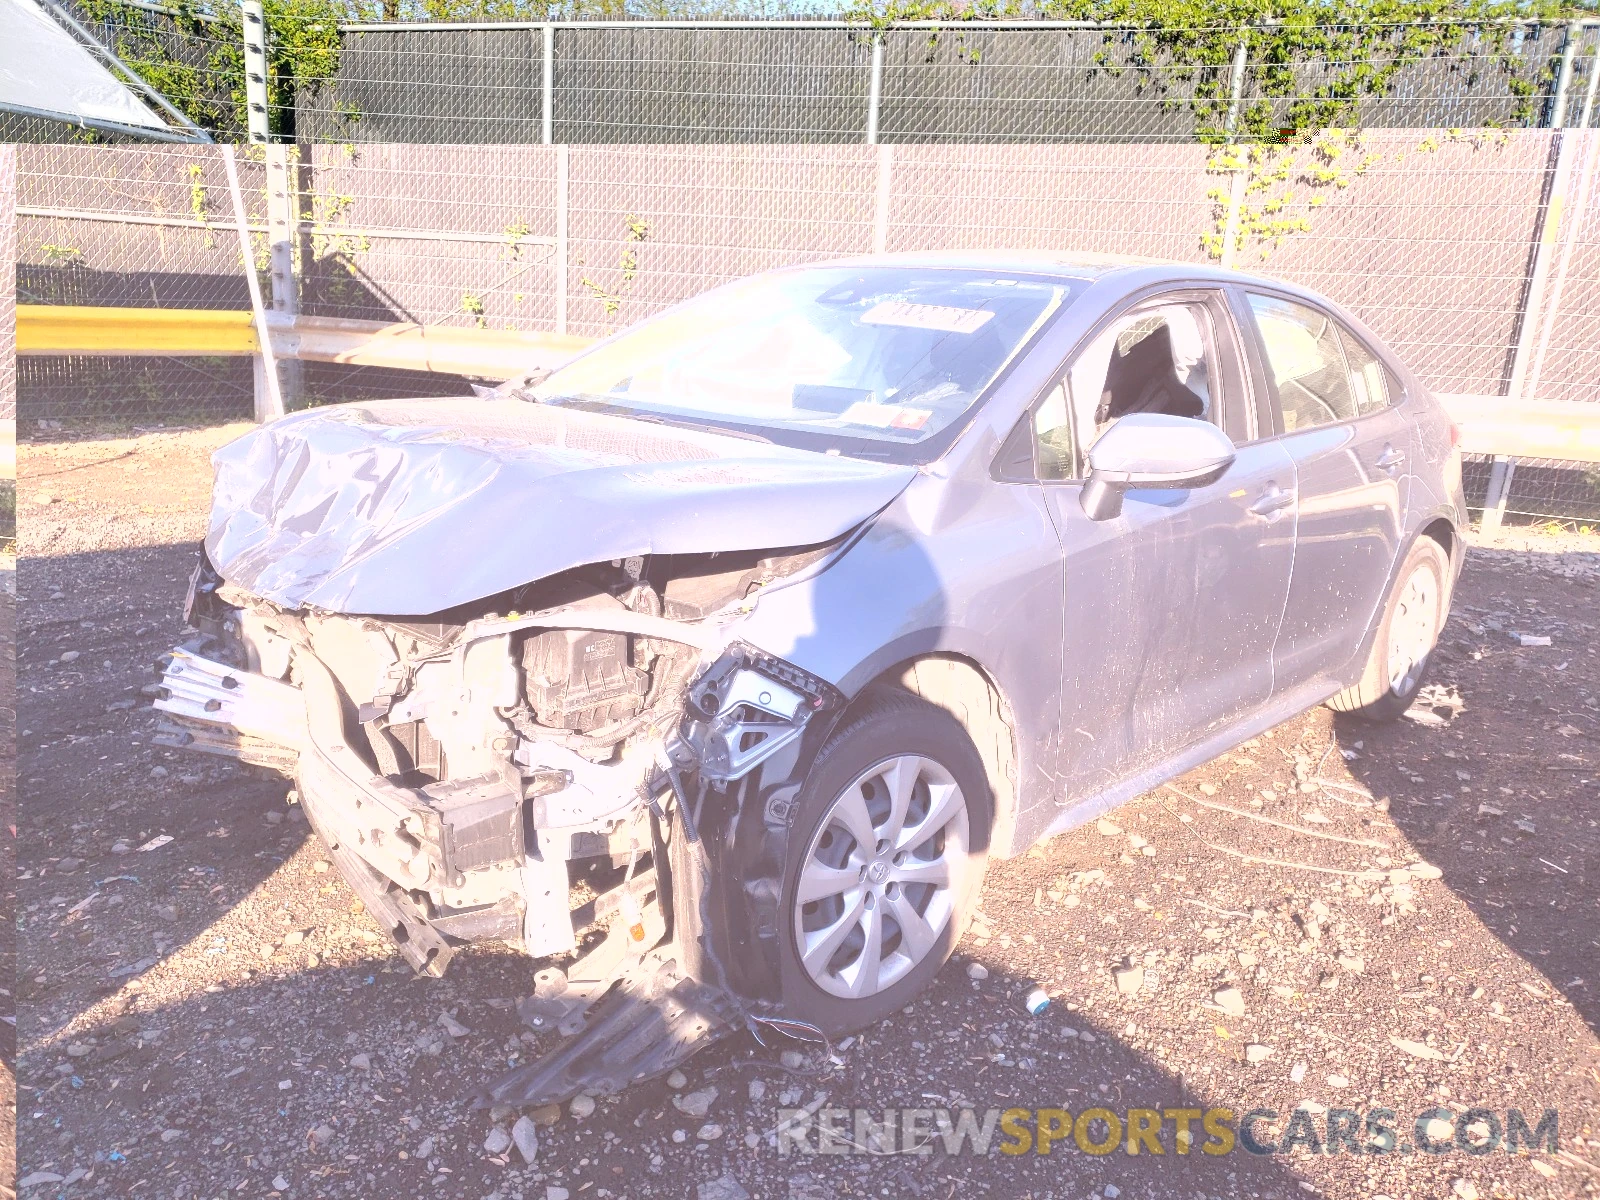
(8, 873)
(216, 1015)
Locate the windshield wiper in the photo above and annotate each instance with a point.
(703, 426)
(593, 404)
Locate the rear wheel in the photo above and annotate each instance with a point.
(885, 861)
(1404, 646)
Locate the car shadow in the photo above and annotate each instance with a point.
(355, 1054)
(1494, 783)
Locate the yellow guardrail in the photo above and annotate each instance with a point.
(71, 329)
(481, 353)
(1488, 424)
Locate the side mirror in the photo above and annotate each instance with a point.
(1152, 450)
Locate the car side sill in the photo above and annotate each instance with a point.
(1277, 710)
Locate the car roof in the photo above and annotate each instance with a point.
(1074, 264)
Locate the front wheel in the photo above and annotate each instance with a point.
(885, 861)
(1404, 646)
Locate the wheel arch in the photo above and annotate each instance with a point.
(961, 687)
(1443, 531)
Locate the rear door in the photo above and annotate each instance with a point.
(1171, 608)
(1333, 403)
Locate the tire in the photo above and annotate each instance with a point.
(1412, 620)
(895, 738)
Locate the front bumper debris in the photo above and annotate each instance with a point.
(235, 713)
(684, 952)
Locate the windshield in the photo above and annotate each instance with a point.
(851, 357)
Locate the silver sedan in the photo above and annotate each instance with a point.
(714, 665)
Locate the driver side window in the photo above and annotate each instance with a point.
(1157, 359)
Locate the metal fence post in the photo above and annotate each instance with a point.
(875, 89)
(547, 90)
(1569, 49)
(1230, 230)
(880, 214)
(1548, 238)
(1236, 186)
(1494, 501)
(1588, 155)
(283, 221)
(1236, 84)
(563, 186)
(255, 71)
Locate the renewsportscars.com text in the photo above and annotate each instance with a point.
(1166, 1130)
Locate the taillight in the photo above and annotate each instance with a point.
(1455, 435)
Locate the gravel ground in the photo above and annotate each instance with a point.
(217, 1015)
(8, 872)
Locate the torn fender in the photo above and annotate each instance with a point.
(727, 887)
(410, 507)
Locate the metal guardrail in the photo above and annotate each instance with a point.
(1540, 429)
(1491, 425)
(73, 329)
(58, 329)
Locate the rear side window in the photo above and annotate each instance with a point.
(1306, 362)
(1367, 376)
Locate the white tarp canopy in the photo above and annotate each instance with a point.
(47, 72)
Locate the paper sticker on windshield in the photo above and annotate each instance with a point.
(927, 316)
(886, 416)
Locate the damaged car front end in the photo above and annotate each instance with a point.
(584, 765)
(590, 768)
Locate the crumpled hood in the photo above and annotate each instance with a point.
(407, 507)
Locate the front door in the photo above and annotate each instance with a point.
(1171, 608)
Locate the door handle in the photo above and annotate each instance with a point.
(1272, 501)
(1389, 459)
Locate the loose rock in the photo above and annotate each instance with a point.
(1230, 1000)
(725, 1187)
(695, 1104)
(525, 1135)
(1129, 979)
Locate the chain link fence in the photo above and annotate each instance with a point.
(1441, 241)
(598, 82)
(835, 81)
